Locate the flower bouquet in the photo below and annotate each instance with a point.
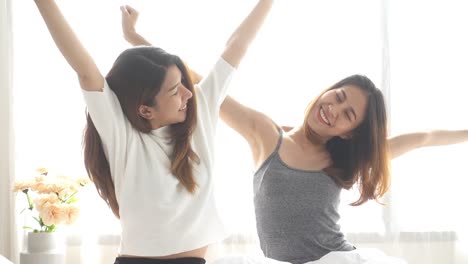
(50, 199)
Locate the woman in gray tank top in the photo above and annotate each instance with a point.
(300, 173)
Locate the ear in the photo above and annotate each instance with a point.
(146, 112)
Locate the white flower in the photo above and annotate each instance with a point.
(41, 200)
(53, 214)
(53, 198)
(22, 185)
(42, 170)
(72, 213)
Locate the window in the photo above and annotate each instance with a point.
(305, 47)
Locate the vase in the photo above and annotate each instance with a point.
(43, 248)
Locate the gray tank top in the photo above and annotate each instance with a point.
(296, 212)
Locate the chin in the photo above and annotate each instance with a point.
(316, 128)
(313, 124)
(182, 120)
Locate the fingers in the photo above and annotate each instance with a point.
(124, 10)
(131, 10)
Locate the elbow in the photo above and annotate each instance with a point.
(425, 139)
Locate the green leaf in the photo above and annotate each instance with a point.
(30, 203)
(38, 220)
(50, 229)
(71, 199)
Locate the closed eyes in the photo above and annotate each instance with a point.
(341, 97)
(338, 97)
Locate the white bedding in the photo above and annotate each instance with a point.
(358, 256)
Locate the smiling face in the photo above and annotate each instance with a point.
(170, 103)
(338, 112)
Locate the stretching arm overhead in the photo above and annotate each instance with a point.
(404, 143)
(129, 20)
(240, 40)
(70, 46)
(131, 35)
(236, 46)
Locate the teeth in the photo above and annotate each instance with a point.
(322, 114)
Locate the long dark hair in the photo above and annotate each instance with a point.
(136, 78)
(364, 158)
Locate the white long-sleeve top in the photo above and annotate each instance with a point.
(158, 215)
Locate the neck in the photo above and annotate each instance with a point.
(307, 138)
(155, 125)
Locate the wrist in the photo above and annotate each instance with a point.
(130, 34)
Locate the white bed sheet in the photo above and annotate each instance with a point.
(358, 256)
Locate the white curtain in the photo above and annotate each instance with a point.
(415, 51)
(428, 86)
(8, 247)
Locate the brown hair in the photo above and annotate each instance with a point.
(364, 158)
(136, 78)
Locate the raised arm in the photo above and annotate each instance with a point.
(69, 45)
(404, 143)
(256, 128)
(240, 118)
(239, 42)
(260, 132)
(129, 20)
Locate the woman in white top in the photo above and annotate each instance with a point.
(148, 144)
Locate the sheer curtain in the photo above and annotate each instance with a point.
(428, 85)
(304, 47)
(8, 247)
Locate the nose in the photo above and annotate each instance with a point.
(187, 93)
(339, 109)
(332, 111)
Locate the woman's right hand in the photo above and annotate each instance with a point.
(129, 20)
